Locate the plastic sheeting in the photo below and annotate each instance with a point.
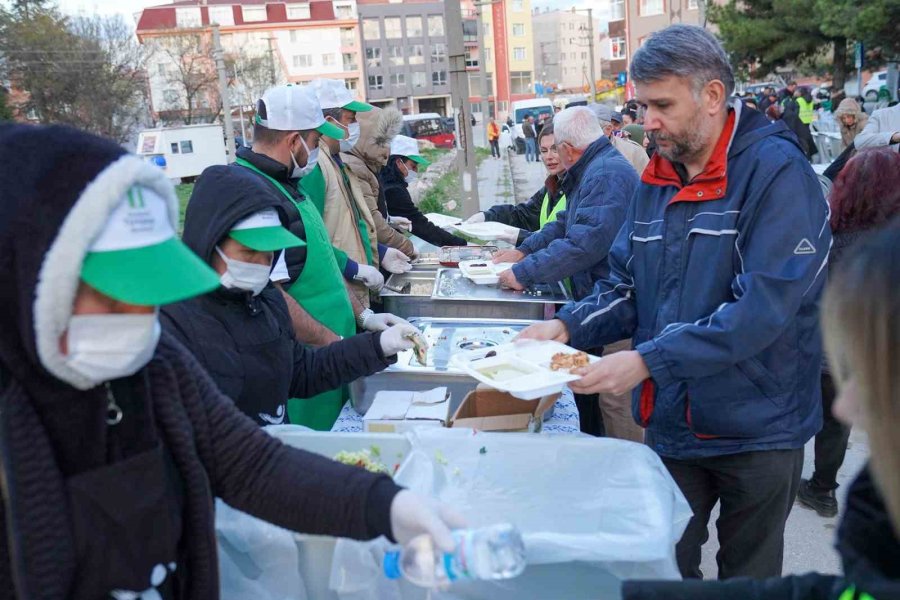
(590, 510)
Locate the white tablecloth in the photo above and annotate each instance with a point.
(564, 419)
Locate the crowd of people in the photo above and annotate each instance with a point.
(137, 366)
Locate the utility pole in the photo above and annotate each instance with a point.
(591, 54)
(240, 106)
(223, 93)
(459, 93)
(272, 65)
(482, 67)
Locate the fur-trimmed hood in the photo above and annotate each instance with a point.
(58, 187)
(377, 128)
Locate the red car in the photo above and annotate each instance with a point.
(428, 126)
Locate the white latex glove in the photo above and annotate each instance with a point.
(395, 261)
(401, 223)
(398, 338)
(510, 235)
(476, 218)
(381, 321)
(370, 276)
(413, 515)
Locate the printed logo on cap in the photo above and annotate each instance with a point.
(141, 219)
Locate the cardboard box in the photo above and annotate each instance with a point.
(492, 410)
(398, 412)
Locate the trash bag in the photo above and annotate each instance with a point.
(257, 560)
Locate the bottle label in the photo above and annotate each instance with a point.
(458, 565)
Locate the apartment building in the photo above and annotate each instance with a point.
(405, 55)
(280, 41)
(562, 49)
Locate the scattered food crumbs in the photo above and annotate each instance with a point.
(483, 450)
(439, 457)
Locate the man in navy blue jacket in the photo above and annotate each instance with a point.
(716, 275)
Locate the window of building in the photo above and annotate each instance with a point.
(352, 84)
(617, 47)
(488, 53)
(328, 60)
(519, 53)
(439, 77)
(223, 15)
(435, 25)
(416, 55)
(373, 57)
(398, 79)
(617, 10)
(418, 79)
(348, 37)
(190, 17)
(293, 35)
(303, 60)
(518, 5)
(371, 29)
(471, 61)
(584, 56)
(438, 52)
(518, 30)
(171, 97)
(343, 11)
(376, 82)
(392, 29)
(254, 14)
(520, 82)
(395, 56)
(413, 26)
(487, 29)
(647, 8)
(174, 146)
(298, 11)
(503, 106)
(562, 56)
(692, 5)
(187, 147)
(475, 84)
(349, 61)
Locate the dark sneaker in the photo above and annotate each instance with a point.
(819, 500)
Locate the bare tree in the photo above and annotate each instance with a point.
(193, 76)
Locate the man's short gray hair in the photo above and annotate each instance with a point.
(578, 126)
(684, 51)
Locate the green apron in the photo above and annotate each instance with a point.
(560, 206)
(546, 218)
(320, 291)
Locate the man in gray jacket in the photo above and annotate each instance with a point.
(883, 129)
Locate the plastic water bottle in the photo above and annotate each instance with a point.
(495, 552)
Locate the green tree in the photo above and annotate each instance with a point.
(6, 113)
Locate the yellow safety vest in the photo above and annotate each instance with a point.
(807, 113)
(546, 216)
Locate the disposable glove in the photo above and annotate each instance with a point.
(400, 223)
(413, 515)
(400, 337)
(371, 277)
(510, 235)
(395, 261)
(476, 218)
(380, 321)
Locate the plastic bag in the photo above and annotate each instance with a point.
(257, 560)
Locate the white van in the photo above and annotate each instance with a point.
(521, 109)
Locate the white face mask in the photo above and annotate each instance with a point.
(312, 159)
(352, 137)
(240, 275)
(106, 347)
(411, 176)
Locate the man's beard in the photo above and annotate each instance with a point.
(687, 145)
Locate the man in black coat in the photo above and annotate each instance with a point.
(241, 333)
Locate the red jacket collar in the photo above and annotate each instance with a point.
(711, 184)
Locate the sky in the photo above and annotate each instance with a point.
(126, 8)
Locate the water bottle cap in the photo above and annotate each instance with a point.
(392, 565)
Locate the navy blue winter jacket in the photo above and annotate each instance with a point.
(598, 189)
(718, 282)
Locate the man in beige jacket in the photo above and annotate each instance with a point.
(633, 152)
(347, 217)
(377, 128)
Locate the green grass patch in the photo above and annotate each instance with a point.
(434, 155)
(183, 190)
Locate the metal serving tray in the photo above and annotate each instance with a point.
(445, 337)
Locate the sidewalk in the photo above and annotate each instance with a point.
(508, 180)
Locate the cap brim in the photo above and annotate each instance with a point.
(420, 160)
(357, 106)
(331, 130)
(266, 239)
(149, 276)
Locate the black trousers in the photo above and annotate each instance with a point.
(756, 491)
(589, 417)
(495, 148)
(831, 442)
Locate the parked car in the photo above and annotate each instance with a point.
(877, 81)
(536, 107)
(428, 126)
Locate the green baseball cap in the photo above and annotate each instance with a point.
(264, 232)
(138, 258)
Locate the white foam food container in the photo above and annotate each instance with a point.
(488, 274)
(443, 220)
(487, 231)
(522, 369)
